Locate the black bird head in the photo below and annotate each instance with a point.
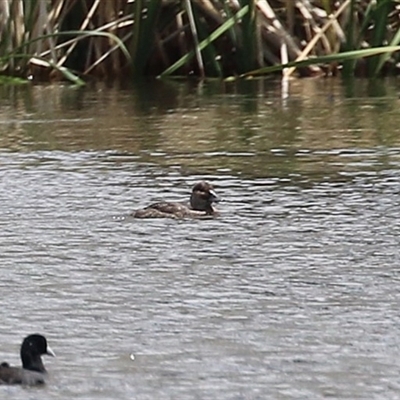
(32, 348)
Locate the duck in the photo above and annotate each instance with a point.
(33, 371)
(201, 205)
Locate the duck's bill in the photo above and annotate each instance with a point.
(50, 352)
(215, 197)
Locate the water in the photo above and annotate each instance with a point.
(292, 293)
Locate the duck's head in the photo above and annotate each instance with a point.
(202, 197)
(32, 348)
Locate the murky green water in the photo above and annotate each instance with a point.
(292, 293)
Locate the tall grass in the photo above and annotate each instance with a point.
(73, 39)
(49, 40)
(373, 24)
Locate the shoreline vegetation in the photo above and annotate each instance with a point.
(79, 40)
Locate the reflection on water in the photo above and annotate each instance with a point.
(245, 129)
(291, 293)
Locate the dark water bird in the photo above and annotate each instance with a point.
(33, 371)
(201, 205)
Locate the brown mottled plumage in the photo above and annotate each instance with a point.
(201, 199)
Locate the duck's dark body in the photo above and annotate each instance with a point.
(33, 371)
(19, 376)
(201, 200)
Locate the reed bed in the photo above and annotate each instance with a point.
(78, 39)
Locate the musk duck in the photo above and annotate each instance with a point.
(201, 205)
(33, 371)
